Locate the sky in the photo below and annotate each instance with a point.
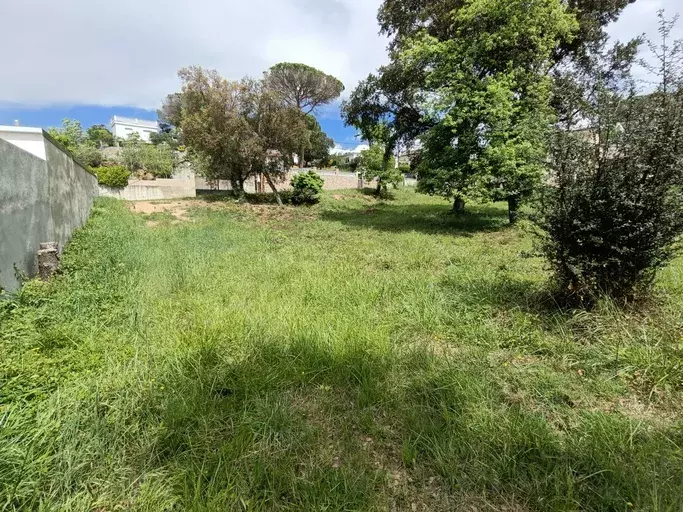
(90, 60)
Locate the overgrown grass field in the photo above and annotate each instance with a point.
(356, 355)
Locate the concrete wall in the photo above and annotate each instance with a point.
(28, 139)
(146, 190)
(334, 180)
(40, 201)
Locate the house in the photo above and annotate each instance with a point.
(123, 127)
(28, 139)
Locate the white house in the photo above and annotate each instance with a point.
(28, 139)
(123, 127)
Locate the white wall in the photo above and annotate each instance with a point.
(124, 130)
(28, 139)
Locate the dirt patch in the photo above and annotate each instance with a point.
(177, 209)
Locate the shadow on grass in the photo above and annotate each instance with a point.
(431, 219)
(217, 196)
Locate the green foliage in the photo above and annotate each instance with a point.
(114, 176)
(139, 156)
(306, 187)
(170, 138)
(303, 87)
(374, 164)
(99, 136)
(70, 135)
(238, 129)
(319, 146)
(470, 80)
(89, 155)
(615, 212)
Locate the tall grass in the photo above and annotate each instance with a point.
(356, 355)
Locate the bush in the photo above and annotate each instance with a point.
(616, 209)
(89, 155)
(139, 156)
(116, 176)
(306, 187)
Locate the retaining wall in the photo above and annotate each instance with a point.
(41, 200)
(146, 190)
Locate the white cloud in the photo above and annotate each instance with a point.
(128, 52)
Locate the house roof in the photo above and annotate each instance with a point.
(134, 122)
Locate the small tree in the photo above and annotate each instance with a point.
(70, 135)
(99, 136)
(616, 210)
(374, 164)
(306, 188)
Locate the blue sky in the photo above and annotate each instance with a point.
(45, 117)
(90, 60)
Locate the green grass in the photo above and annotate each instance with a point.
(356, 355)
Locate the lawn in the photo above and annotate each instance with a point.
(355, 355)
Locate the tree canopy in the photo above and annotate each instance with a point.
(302, 86)
(237, 128)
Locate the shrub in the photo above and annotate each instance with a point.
(306, 187)
(115, 176)
(89, 155)
(157, 160)
(616, 210)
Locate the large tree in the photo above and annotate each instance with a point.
(237, 129)
(304, 88)
(468, 78)
(99, 136)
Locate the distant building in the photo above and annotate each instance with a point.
(123, 127)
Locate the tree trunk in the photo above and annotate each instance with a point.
(302, 161)
(272, 186)
(237, 188)
(378, 192)
(513, 209)
(458, 205)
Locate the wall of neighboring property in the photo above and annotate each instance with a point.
(28, 139)
(334, 180)
(72, 190)
(41, 200)
(146, 190)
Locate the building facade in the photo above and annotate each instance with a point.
(124, 127)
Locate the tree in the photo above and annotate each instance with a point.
(319, 143)
(70, 135)
(373, 164)
(404, 19)
(478, 68)
(99, 136)
(238, 129)
(304, 88)
(615, 212)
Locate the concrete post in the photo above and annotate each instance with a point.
(48, 260)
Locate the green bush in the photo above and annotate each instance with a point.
(157, 160)
(306, 187)
(89, 155)
(116, 176)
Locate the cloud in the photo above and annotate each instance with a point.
(86, 52)
(78, 52)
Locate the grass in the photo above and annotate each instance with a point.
(356, 355)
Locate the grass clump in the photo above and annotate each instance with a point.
(355, 355)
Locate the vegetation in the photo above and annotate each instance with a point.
(355, 355)
(615, 210)
(373, 165)
(305, 88)
(478, 95)
(306, 188)
(99, 136)
(138, 156)
(113, 176)
(237, 129)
